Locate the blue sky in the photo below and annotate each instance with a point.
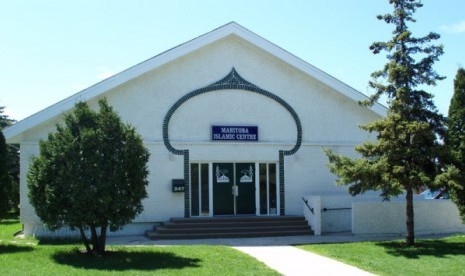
(50, 50)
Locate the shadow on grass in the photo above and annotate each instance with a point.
(58, 241)
(125, 260)
(12, 248)
(10, 216)
(8, 222)
(436, 248)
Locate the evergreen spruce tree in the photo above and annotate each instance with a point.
(404, 157)
(5, 181)
(455, 141)
(5, 121)
(9, 169)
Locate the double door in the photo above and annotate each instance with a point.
(221, 188)
(234, 188)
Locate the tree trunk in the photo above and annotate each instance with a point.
(102, 239)
(410, 239)
(85, 239)
(95, 245)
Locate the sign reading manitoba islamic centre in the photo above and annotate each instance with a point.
(235, 133)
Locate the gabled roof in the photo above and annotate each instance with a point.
(12, 133)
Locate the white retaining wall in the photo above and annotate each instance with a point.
(332, 212)
(430, 217)
(370, 215)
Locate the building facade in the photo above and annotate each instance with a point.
(234, 124)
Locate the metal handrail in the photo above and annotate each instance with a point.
(306, 203)
(334, 209)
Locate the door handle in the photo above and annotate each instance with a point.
(235, 190)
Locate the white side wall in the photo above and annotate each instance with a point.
(370, 215)
(39, 230)
(430, 217)
(332, 211)
(27, 213)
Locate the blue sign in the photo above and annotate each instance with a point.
(235, 133)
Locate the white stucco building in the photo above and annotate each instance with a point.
(227, 111)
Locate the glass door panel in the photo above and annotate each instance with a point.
(204, 188)
(195, 189)
(273, 196)
(263, 189)
(268, 189)
(199, 190)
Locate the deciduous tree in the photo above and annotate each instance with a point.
(90, 175)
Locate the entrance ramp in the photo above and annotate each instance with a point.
(230, 227)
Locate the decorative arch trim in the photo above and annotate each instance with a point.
(233, 81)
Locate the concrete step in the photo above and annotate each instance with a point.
(230, 227)
(163, 230)
(237, 219)
(157, 236)
(231, 224)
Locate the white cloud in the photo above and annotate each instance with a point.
(454, 28)
(93, 77)
(104, 73)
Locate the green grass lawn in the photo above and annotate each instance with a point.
(429, 257)
(32, 257)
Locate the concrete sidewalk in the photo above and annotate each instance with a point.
(289, 260)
